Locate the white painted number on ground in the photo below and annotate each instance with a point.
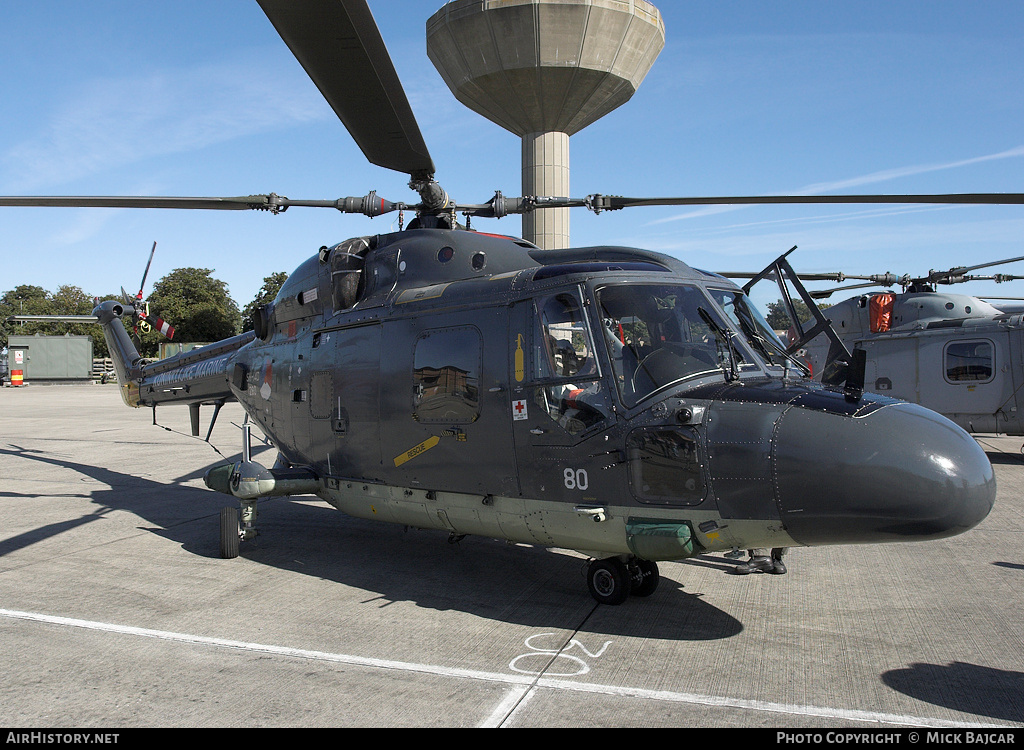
(546, 660)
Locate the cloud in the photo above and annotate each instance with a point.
(113, 122)
(893, 174)
(821, 188)
(85, 225)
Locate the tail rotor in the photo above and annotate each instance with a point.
(141, 319)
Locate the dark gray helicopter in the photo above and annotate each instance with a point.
(958, 354)
(608, 400)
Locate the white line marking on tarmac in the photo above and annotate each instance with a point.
(525, 684)
(508, 706)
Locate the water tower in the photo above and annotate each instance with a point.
(545, 69)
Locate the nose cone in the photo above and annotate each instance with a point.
(900, 473)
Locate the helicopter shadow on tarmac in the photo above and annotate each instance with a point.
(961, 686)
(1002, 458)
(484, 577)
(970, 688)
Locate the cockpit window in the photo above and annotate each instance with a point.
(748, 319)
(659, 334)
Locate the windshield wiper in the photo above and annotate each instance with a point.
(778, 349)
(725, 345)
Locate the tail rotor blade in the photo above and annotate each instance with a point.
(146, 273)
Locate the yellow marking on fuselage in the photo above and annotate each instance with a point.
(520, 359)
(423, 447)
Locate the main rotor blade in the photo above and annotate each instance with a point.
(885, 279)
(826, 293)
(78, 201)
(501, 205)
(340, 47)
(803, 276)
(600, 203)
(370, 204)
(935, 275)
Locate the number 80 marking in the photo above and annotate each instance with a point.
(576, 479)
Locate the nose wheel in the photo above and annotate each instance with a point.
(230, 532)
(613, 580)
(236, 526)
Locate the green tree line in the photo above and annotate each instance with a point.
(190, 299)
(778, 318)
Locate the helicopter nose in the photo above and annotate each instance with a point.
(900, 473)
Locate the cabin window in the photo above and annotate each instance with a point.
(446, 376)
(969, 361)
(565, 365)
(664, 467)
(565, 348)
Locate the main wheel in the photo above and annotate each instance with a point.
(645, 578)
(609, 581)
(229, 532)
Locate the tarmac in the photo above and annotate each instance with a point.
(116, 610)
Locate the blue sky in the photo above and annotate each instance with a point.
(112, 97)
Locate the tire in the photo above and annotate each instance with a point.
(229, 533)
(645, 578)
(609, 581)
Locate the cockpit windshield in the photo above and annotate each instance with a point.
(758, 333)
(659, 334)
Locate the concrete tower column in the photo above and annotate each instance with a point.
(545, 69)
(546, 172)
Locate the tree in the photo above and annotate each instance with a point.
(22, 300)
(71, 300)
(196, 304)
(268, 292)
(34, 300)
(778, 318)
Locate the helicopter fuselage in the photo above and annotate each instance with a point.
(605, 400)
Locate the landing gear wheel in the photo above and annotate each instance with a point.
(229, 533)
(645, 577)
(609, 581)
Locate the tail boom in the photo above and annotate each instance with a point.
(199, 376)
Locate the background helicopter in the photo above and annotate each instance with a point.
(957, 354)
(609, 400)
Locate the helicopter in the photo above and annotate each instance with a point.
(956, 354)
(609, 400)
